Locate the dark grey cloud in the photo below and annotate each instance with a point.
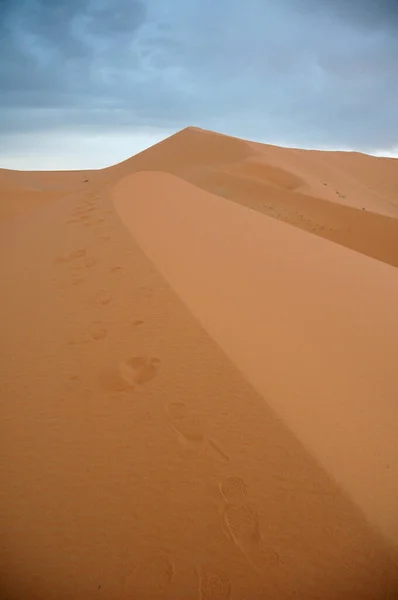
(302, 72)
(370, 15)
(120, 18)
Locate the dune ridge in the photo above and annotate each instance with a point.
(318, 191)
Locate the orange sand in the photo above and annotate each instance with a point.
(200, 400)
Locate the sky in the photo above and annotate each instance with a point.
(88, 83)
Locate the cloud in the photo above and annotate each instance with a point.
(368, 15)
(299, 72)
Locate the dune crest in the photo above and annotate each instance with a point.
(317, 191)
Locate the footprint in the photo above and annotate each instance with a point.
(151, 578)
(102, 297)
(73, 255)
(177, 410)
(138, 370)
(241, 524)
(213, 584)
(89, 262)
(133, 371)
(97, 331)
(83, 211)
(78, 254)
(242, 527)
(77, 280)
(234, 490)
(190, 431)
(94, 222)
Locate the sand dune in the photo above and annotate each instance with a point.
(199, 400)
(311, 190)
(275, 298)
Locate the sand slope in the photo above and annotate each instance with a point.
(278, 300)
(198, 400)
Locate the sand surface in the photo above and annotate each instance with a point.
(199, 376)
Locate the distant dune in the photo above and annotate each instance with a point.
(199, 376)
